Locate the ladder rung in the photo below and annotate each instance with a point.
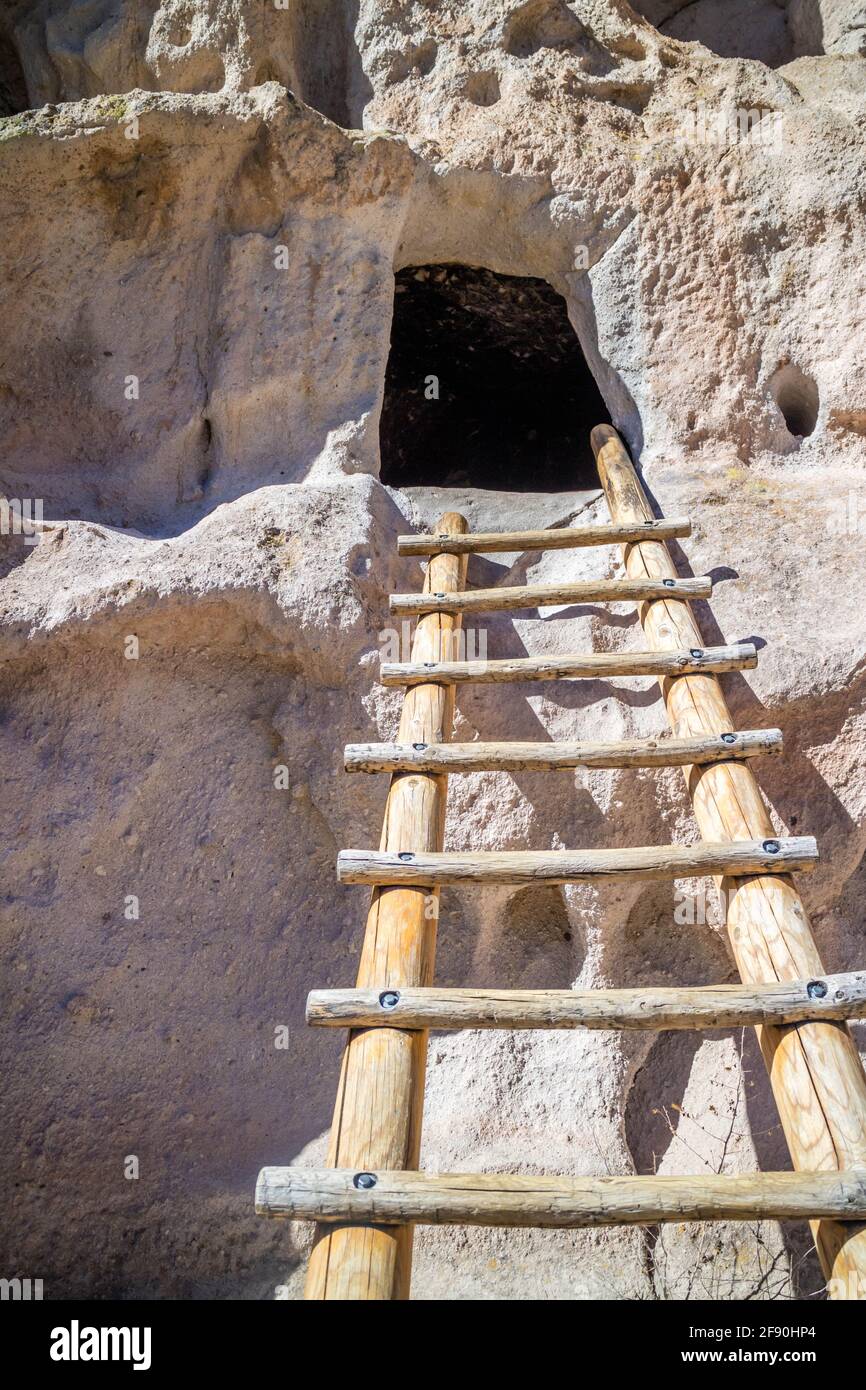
(516, 757)
(560, 538)
(733, 858)
(587, 665)
(504, 1199)
(543, 595)
(708, 1006)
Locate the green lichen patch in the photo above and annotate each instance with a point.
(13, 126)
(115, 106)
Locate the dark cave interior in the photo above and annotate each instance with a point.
(486, 385)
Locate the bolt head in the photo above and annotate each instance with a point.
(389, 999)
(419, 747)
(669, 583)
(364, 1181)
(771, 846)
(696, 652)
(405, 855)
(816, 989)
(729, 738)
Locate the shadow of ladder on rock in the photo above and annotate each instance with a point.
(369, 1197)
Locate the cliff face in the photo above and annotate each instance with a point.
(208, 202)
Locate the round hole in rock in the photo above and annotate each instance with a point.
(486, 385)
(796, 395)
(482, 88)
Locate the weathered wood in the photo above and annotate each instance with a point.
(789, 855)
(815, 1070)
(499, 1199)
(543, 595)
(519, 757)
(704, 1007)
(560, 538)
(584, 665)
(377, 1119)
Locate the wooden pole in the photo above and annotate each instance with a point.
(377, 1119)
(505, 1199)
(520, 757)
(560, 538)
(815, 1069)
(546, 595)
(578, 865)
(653, 1007)
(581, 665)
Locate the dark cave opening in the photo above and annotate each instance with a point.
(13, 87)
(796, 395)
(486, 385)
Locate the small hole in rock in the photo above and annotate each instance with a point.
(419, 60)
(482, 88)
(796, 395)
(539, 24)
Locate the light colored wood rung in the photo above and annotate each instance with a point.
(705, 1007)
(733, 859)
(500, 1199)
(519, 757)
(544, 595)
(559, 538)
(584, 665)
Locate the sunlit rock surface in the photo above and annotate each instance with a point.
(206, 205)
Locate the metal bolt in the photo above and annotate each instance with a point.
(419, 747)
(729, 738)
(669, 583)
(771, 846)
(405, 855)
(438, 595)
(364, 1181)
(430, 664)
(389, 999)
(696, 652)
(816, 989)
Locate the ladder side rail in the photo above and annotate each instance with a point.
(377, 1117)
(815, 1069)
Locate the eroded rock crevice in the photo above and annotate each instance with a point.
(774, 32)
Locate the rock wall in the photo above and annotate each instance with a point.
(209, 200)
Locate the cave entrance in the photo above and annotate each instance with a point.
(486, 386)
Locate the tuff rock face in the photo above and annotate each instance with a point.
(207, 202)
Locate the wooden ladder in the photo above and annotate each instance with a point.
(370, 1195)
